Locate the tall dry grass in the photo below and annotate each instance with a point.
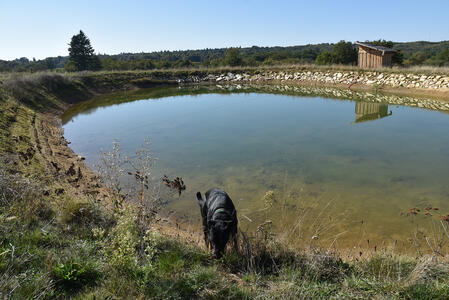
(12, 77)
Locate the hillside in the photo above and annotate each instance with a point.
(430, 48)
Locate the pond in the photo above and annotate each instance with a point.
(341, 171)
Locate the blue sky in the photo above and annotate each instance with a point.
(43, 28)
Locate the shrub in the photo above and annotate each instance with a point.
(72, 275)
(40, 91)
(342, 53)
(325, 58)
(386, 267)
(233, 57)
(434, 291)
(416, 59)
(22, 197)
(428, 269)
(84, 214)
(324, 267)
(120, 246)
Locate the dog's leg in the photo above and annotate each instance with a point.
(206, 239)
(236, 243)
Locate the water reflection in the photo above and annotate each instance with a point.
(366, 111)
(378, 101)
(251, 140)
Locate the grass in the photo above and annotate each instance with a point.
(289, 67)
(70, 246)
(46, 259)
(142, 75)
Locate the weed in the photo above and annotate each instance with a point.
(72, 275)
(111, 170)
(433, 291)
(84, 214)
(22, 198)
(34, 90)
(120, 246)
(146, 192)
(428, 269)
(386, 267)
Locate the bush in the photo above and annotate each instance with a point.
(120, 246)
(323, 267)
(386, 267)
(72, 275)
(435, 291)
(416, 59)
(84, 214)
(36, 90)
(441, 59)
(22, 198)
(232, 57)
(325, 58)
(344, 53)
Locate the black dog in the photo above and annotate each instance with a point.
(219, 220)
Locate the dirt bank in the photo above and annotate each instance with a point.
(31, 133)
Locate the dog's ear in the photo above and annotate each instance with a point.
(200, 199)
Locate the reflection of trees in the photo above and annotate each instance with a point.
(365, 111)
(380, 109)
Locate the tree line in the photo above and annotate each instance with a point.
(82, 57)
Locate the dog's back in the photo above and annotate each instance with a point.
(219, 205)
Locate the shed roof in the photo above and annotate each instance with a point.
(377, 48)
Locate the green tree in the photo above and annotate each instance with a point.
(397, 58)
(95, 63)
(183, 63)
(441, 59)
(416, 59)
(70, 66)
(109, 63)
(344, 53)
(325, 58)
(380, 42)
(233, 57)
(81, 53)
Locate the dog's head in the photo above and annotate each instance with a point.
(219, 233)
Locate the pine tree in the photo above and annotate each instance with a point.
(81, 53)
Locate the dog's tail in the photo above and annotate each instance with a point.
(200, 199)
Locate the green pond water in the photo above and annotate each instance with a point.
(338, 168)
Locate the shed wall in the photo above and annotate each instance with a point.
(386, 60)
(369, 58)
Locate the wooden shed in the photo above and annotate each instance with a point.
(373, 56)
(367, 111)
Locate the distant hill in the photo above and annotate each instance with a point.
(420, 52)
(210, 54)
(429, 48)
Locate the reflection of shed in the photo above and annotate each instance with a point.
(365, 111)
(372, 56)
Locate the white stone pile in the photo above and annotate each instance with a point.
(336, 77)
